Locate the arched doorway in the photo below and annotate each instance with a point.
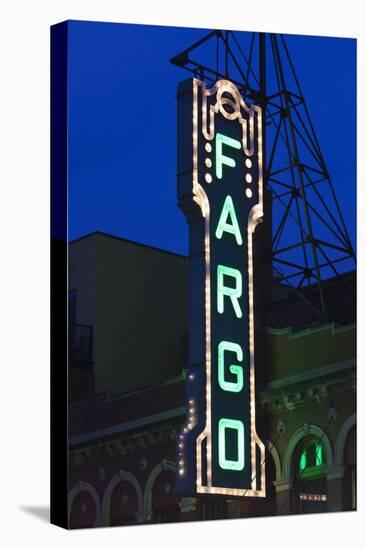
(309, 477)
(164, 499)
(83, 511)
(123, 504)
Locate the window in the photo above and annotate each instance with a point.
(311, 456)
(310, 481)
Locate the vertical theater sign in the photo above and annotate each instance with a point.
(220, 190)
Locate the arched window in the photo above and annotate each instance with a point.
(164, 499)
(311, 456)
(83, 511)
(310, 482)
(124, 505)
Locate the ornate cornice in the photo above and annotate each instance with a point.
(294, 394)
(124, 444)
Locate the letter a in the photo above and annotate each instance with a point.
(223, 225)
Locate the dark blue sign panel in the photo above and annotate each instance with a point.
(220, 189)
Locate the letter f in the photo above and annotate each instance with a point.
(223, 159)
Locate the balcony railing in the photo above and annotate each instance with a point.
(80, 342)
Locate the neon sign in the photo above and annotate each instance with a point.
(220, 189)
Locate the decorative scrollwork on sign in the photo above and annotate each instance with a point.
(227, 94)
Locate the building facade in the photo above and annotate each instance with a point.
(128, 327)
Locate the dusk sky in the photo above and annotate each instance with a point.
(122, 126)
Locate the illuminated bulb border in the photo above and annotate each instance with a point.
(190, 424)
(313, 497)
(255, 215)
(221, 87)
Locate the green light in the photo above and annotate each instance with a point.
(223, 159)
(234, 369)
(232, 293)
(319, 455)
(237, 425)
(233, 227)
(303, 460)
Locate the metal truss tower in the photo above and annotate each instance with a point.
(305, 240)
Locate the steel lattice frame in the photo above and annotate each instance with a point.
(310, 241)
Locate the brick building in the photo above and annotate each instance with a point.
(128, 327)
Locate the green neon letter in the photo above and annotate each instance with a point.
(234, 369)
(222, 159)
(233, 293)
(233, 227)
(224, 424)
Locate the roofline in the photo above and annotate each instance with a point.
(103, 234)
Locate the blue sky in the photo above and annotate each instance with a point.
(122, 126)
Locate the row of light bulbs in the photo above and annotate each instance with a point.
(189, 426)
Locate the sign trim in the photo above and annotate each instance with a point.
(254, 218)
